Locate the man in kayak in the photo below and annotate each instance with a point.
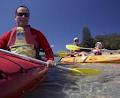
(23, 39)
(97, 49)
(79, 51)
(76, 41)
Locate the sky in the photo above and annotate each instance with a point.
(62, 20)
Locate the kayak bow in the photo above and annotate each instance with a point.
(18, 76)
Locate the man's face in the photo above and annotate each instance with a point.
(76, 41)
(99, 46)
(22, 16)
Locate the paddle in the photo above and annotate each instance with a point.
(74, 47)
(80, 71)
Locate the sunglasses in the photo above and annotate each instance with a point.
(21, 14)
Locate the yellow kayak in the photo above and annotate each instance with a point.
(106, 58)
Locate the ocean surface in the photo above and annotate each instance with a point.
(62, 84)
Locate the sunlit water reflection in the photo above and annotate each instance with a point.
(61, 84)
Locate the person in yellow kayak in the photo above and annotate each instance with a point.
(97, 48)
(76, 41)
(23, 39)
(77, 52)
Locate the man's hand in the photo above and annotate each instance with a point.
(50, 63)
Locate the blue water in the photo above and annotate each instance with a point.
(62, 84)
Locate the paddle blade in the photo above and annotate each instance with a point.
(80, 71)
(72, 47)
(86, 71)
(75, 71)
(62, 53)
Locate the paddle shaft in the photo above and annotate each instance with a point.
(91, 48)
(33, 60)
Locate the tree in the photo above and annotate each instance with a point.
(87, 40)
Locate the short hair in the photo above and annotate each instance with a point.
(23, 7)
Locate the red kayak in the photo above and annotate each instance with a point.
(18, 76)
